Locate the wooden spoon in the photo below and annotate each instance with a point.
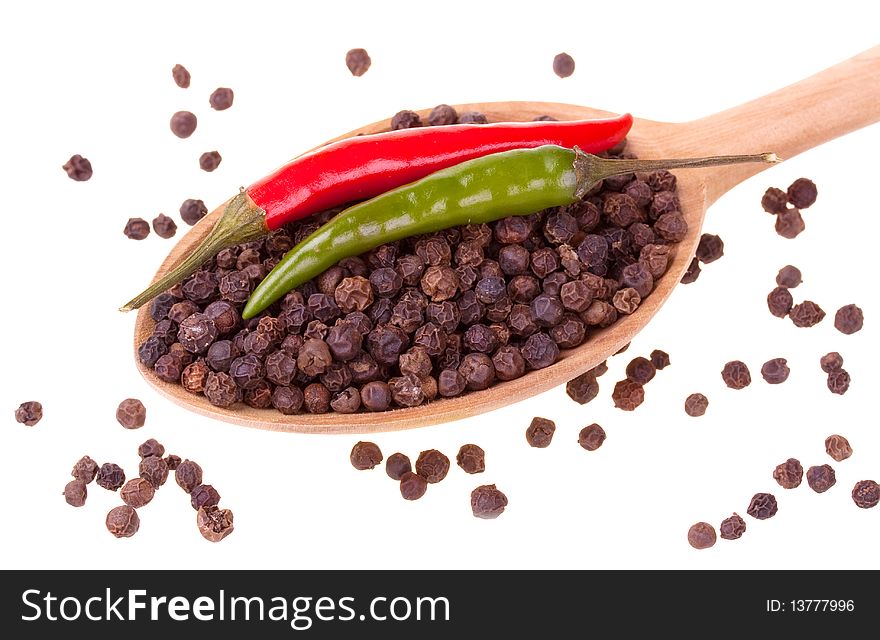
(836, 101)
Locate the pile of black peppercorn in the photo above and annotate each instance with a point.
(428, 317)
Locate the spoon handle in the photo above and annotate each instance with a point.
(836, 101)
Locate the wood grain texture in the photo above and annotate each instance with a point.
(787, 122)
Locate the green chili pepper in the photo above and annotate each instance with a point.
(511, 183)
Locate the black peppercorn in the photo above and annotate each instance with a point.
(110, 476)
(762, 506)
(701, 535)
(221, 99)
(412, 486)
(591, 437)
(122, 521)
(563, 65)
(540, 432)
(432, 465)
(78, 168)
(358, 62)
(821, 478)
(154, 470)
(365, 455)
(789, 473)
(75, 493)
(487, 502)
(471, 458)
(183, 124)
(442, 114)
(85, 470)
(151, 448)
(136, 228)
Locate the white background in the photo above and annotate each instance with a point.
(97, 81)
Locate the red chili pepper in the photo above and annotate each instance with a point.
(366, 166)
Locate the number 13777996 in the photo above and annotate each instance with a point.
(808, 606)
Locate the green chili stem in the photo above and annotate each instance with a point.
(591, 169)
(241, 221)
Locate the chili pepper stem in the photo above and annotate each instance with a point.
(242, 221)
(590, 169)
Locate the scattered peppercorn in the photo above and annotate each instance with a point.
(789, 277)
(838, 447)
(710, 248)
(164, 226)
(188, 475)
(540, 432)
(660, 359)
(397, 465)
(849, 319)
(365, 455)
(789, 473)
(487, 502)
(358, 61)
(136, 229)
(736, 375)
(209, 160)
(762, 506)
(701, 535)
(204, 495)
(779, 301)
(123, 521)
(838, 381)
(432, 465)
(221, 99)
(641, 370)
(131, 413)
(628, 395)
(821, 478)
(151, 448)
(471, 458)
(214, 523)
(412, 486)
(696, 404)
(110, 476)
(192, 210)
(774, 200)
(802, 193)
(591, 437)
(583, 388)
(183, 124)
(154, 470)
(172, 461)
(75, 493)
(29, 413)
(137, 492)
(775, 371)
(85, 469)
(563, 65)
(733, 527)
(790, 224)
(181, 76)
(866, 494)
(692, 272)
(78, 168)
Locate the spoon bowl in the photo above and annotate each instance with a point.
(836, 101)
